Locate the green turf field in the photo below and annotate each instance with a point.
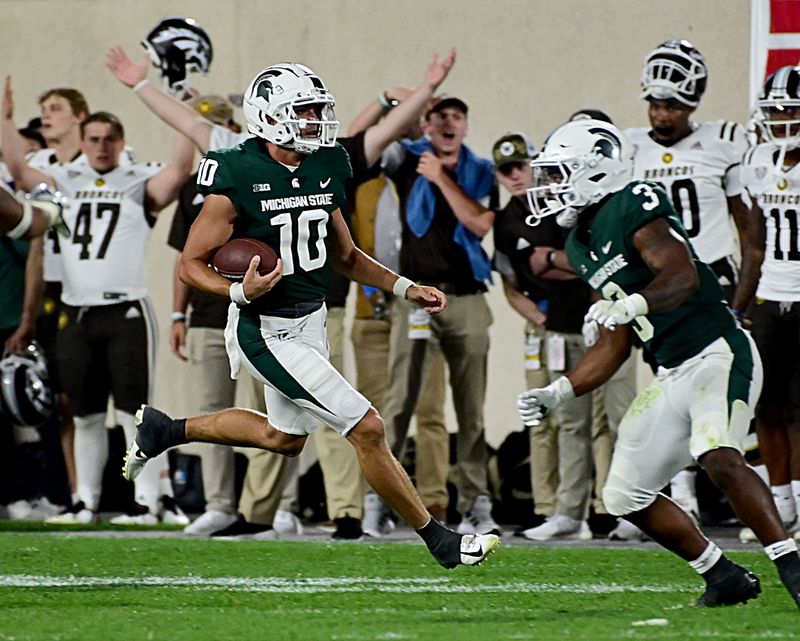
(65, 587)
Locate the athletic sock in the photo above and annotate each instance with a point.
(710, 563)
(444, 544)
(784, 501)
(796, 494)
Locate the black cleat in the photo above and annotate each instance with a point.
(153, 431)
(347, 529)
(736, 586)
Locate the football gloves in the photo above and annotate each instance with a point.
(52, 204)
(535, 404)
(611, 313)
(591, 332)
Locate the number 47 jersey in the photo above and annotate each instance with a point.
(104, 260)
(698, 173)
(777, 193)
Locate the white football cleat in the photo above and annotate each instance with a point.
(559, 527)
(476, 547)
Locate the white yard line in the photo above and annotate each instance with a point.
(329, 584)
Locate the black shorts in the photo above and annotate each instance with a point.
(47, 330)
(776, 331)
(107, 350)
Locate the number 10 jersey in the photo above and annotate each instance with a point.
(104, 259)
(289, 209)
(698, 173)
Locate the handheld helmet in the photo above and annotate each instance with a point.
(178, 47)
(778, 108)
(269, 108)
(581, 162)
(675, 70)
(25, 393)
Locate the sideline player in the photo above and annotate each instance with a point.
(107, 329)
(286, 186)
(629, 245)
(771, 272)
(698, 165)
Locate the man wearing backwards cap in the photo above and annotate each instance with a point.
(444, 191)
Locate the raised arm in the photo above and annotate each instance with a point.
(165, 186)
(13, 145)
(176, 114)
(397, 120)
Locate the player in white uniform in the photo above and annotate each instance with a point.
(107, 330)
(698, 165)
(771, 272)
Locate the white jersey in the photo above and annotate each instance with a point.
(224, 138)
(698, 173)
(104, 259)
(45, 160)
(777, 193)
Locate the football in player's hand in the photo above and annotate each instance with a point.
(233, 258)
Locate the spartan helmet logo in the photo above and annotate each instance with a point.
(608, 144)
(264, 89)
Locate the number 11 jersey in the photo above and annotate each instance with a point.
(104, 259)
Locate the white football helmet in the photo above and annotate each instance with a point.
(269, 108)
(581, 162)
(675, 70)
(178, 47)
(778, 108)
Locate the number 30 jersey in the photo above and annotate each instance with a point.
(601, 251)
(698, 173)
(778, 196)
(288, 210)
(104, 260)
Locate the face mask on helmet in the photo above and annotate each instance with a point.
(582, 162)
(288, 105)
(25, 394)
(779, 108)
(178, 47)
(675, 70)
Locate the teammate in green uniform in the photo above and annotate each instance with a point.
(286, 188)
(33, 216)
(629, 245)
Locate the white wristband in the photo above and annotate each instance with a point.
(401, 286)
(139, 85)
(25, 222)
(236, 292)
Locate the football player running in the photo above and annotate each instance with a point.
(285, 186)
(630, 246)
(771, 272)
(698, 165)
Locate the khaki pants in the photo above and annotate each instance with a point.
(371, 346)
(462, 331)
(344, 483)
(543, 438)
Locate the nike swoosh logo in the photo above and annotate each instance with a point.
(607, 247)
(324, 183)
(475, 554)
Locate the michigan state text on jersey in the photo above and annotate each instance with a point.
(600, 249)
(289, 210)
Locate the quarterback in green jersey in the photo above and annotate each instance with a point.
(286, 186)
(628, 244)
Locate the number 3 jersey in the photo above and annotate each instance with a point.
(777, 193)
(698, 173)
(104, 259)
(288, 210)
(601, 251)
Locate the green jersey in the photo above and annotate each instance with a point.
(13, 254)
(601, 251)
(288, 210)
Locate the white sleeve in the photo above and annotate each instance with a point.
(393, 157)
(736, 149)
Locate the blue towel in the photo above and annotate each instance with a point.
(476, 177)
